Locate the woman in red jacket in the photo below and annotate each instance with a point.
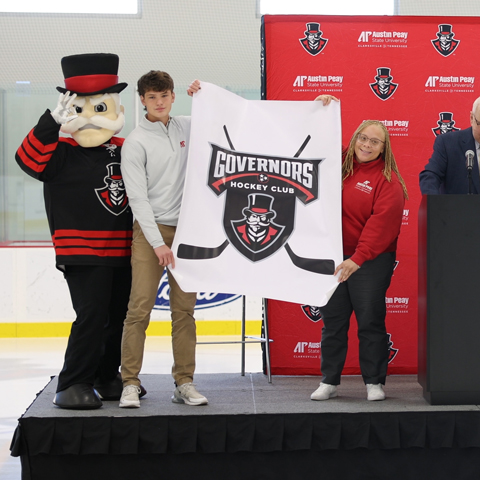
(373, 198)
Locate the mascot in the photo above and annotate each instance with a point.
(90, 221)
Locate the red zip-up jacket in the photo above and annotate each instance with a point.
(372, 211)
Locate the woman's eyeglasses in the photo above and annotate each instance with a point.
(374, 142)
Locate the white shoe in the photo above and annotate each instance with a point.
(324, 392)
(187, 393)
(130, 397)
(375, 392)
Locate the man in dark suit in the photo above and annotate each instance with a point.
(446, 171)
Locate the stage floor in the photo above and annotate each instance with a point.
(249, 424)
(232, 394)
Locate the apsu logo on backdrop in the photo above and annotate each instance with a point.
(313, 42)
(444, 44)
(312, 312)
(445, 124)
(383, 87)
(392, 352)
(204, 299)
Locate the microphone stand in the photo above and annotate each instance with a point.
(470, 155)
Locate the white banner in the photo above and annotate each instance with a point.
(261, 211)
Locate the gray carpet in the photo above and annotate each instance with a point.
(232, 394)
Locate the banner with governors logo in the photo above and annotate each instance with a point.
(261, 212)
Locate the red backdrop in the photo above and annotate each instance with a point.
(429, 89)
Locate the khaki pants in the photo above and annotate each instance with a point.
(146, 274)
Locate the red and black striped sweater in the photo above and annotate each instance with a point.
(85, 200)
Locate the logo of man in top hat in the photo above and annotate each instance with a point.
(444, 43)
(445, 124)
(89, 106)
(313, 42)
(113, 196)
(312, 312)
(383, 88)
(256, 230)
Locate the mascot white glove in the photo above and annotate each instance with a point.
(64, 113)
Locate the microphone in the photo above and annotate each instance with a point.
(469, 156)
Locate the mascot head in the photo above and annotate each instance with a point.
(100, 115)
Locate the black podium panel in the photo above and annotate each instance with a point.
(449, 299)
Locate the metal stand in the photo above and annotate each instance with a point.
(265, 340)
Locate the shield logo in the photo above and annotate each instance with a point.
(392, 352)
(312, 312)
(113, 195)
(444, 44)
(258, 224)
(257, 235)
(445, 124)
(313, 43)
(383, 87)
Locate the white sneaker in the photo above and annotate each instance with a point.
(375, 392)
(187, 393)
(130, 397)
(324, 392)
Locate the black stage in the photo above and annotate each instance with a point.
(253, 430)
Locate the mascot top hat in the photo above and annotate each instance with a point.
(91, 73)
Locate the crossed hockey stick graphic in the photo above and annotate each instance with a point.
(322, 266)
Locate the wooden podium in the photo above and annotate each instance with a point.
(449, 299)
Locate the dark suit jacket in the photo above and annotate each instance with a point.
(446, 171)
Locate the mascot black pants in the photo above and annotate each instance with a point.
(100, 299)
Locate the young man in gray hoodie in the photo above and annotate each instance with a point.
(154, 159)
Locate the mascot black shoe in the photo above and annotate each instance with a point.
(81, 396)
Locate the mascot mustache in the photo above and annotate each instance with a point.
(94, 122)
